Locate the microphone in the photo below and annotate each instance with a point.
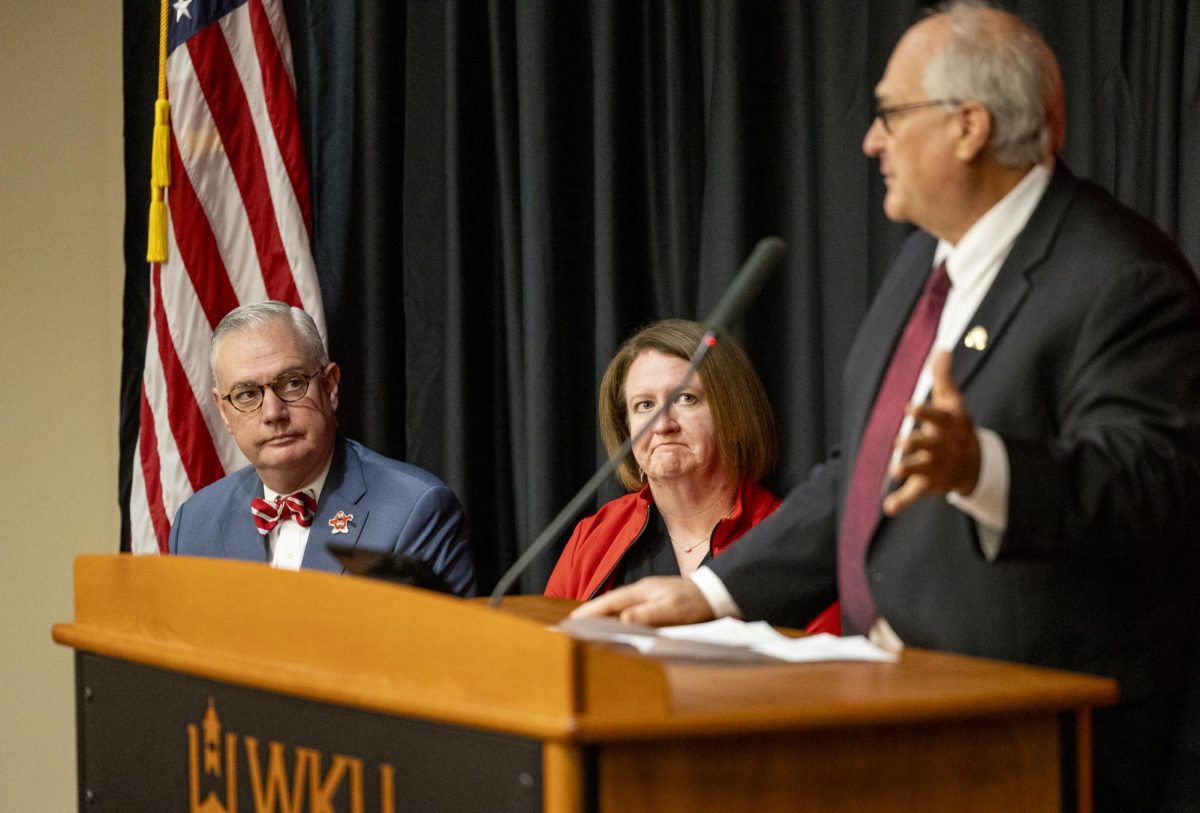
(393, 567)
(762, 261)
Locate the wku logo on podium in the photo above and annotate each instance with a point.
(218, 761)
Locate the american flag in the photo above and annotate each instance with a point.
(238, 230)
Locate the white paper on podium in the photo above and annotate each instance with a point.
(727, 639)
(826, 647)
(728, 631)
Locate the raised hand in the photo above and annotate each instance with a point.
(941, 454)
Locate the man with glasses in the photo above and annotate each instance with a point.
(306, 486)
(1019, 469)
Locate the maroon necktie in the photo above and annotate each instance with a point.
(865, 497)
(298, 505)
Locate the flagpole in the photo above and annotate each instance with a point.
(160, 165)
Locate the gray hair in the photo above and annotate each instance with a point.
(997, 59)
(257, 314)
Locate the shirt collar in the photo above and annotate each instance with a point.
(993, 234)
(313, 487)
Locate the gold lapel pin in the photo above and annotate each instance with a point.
(976, 338)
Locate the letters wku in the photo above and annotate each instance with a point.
(308, 788)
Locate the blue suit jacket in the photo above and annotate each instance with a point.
(397, 508)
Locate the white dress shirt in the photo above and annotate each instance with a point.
(288, 538)
(972, 265)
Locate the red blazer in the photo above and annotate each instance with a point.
(589, 561)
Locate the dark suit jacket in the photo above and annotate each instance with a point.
(397, 508)
(1091, 376)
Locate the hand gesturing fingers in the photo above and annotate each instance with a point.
(941, 453)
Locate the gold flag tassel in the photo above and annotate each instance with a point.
(160, 166)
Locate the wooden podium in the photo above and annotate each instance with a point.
(205, 685)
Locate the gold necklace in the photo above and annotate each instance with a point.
(705, 540)
(693, 546)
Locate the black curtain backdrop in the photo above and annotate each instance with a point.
(505, 190)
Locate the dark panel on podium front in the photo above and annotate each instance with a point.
(153, 740)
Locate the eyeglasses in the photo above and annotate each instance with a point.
(288, 387)
(882, 113)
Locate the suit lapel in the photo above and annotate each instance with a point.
(1012, 282)
(884, 323)
(239, 537)
(344, 488)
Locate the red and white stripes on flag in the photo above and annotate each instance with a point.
(239, 230)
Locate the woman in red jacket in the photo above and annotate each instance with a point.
(693, 477)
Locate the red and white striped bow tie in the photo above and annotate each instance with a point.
(298, 505)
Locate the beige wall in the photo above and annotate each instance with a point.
(61, 276)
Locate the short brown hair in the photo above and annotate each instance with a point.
(742, 419)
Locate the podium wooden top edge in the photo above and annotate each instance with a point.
(399, 650)
(339, 639)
